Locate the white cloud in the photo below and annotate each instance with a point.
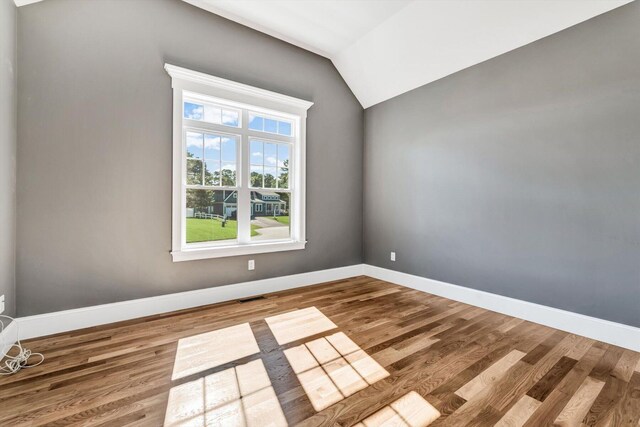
(196, 113)
(212, 143)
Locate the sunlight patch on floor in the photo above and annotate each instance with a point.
(332, 368)
(411, 410)
(212, 349)
(298, 324)
(240, 396)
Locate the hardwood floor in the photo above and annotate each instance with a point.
(369, 352)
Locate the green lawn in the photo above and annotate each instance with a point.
(283, 219)
(207, 230)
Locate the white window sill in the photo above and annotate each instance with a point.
(235, 250)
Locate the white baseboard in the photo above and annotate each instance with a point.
(8, 337)
(68, 320)
(591, 327)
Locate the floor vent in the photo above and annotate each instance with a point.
(259, 297)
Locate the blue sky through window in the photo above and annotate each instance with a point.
(194, 145)
(270, 125)
(284, 128)
(265, 124)
(256, 123)
(212, 147)
(193, 111)
(211, 113)
(228, 150)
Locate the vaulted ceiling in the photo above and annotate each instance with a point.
(383, 48)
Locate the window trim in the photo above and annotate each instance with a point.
(249, 99)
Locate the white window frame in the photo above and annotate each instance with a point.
(246, 98)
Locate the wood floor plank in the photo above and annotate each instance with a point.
(520, 412)
(627, 411)
(490, 376)
(578, 406)
(378, 344)
(545, 386)
(625, 367)
(562, 393)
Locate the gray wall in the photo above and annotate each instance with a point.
(519, 176)
(94, 155)
(8, 99)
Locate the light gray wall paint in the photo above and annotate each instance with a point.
(519, 176)
(94, 155)
(8, 123)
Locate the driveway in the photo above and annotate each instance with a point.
(271, 233)
(269, 229)
(264, 222)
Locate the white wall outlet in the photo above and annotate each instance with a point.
(1, 304)
(252, 265)
(393, 256)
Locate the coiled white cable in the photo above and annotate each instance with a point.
(13, 364)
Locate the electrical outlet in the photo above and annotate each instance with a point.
(252, 265)
(393, 256)
(1, 304)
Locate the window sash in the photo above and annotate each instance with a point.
(202, 88)
(243, 137)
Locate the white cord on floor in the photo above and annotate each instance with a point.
(13, 364)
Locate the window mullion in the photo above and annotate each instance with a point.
(244, 194)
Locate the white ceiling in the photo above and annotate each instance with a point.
(325, 27)
(383, 48)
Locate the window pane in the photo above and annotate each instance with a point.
(283, 155)
(283, 166)
(256, 152)
(194, 172)
(256, 176)
(194, 145)
(228, 150)
(270, 125)
(212, 147)
(270, 154)
(283, 177)
(284, 128)
(256, 122)
(210, 216)
(270, 215)
(193, 111)
(229, 174)
(212, 172)
(212, 114)
(269, 177)
(230, 118)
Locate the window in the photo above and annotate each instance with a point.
(238, 169)
(270, 125)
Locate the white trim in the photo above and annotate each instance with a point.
(8, 337)
(217, 82)
(68, 320)
(51, 323)
(235, 250)
(189, 84)
(602, 330)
